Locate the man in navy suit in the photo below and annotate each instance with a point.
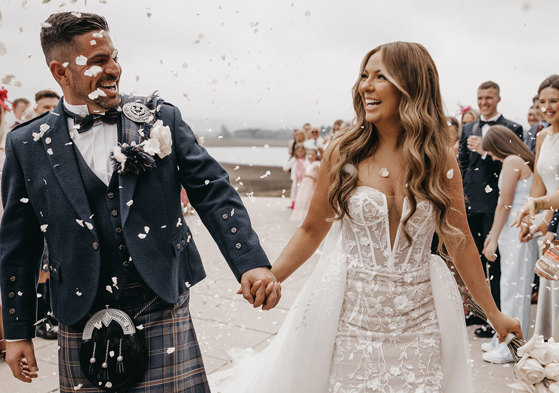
(116, 236)
(480, 179)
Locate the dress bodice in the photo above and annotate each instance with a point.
(367, 233)
(548, 162)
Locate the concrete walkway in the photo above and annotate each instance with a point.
(225, 320)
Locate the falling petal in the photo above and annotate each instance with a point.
(89, 225)
(44, 227)
(78, 293)
(450, 174)
(77, 14)
(142, 235)
(78, 387)
(170, 350)
(99, 34)
(109, 289)
(81, 60)
(93, 42)
(179, 222)
(80, 222)
(130, 203)
(93, 71)
(187, 284)
(146, 230)
(24, 200)
(49, 151)
(488, 189)
(206, 182)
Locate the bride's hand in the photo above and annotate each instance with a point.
(503, 325)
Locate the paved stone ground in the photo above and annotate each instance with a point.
(224, 320)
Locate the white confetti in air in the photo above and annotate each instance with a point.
(112, 354)
(146, 230)
(49, 150)
(109, 289)
(130, 203)
(65, 64)
(3, 49)
(488, 189)
(142, 235)
(45, 25)
(268, 173)
(93, 42)
(93, 71)
(187, 284)
(81, 60)
(89, 225)
(42, 129)
(78, 387)
(24, 200)
(77, 14)
(78, 293)
(232, 212)
(8, 78)
(170, 350)
(44, 227)
(115, 280)
(140, 327)
(163, 226)
(99, 34)
(80, 222)
(108, 385)
(96, 93)
(450, 173)
(48, 140)
(19, 293)
(206, 182)
(179, 222)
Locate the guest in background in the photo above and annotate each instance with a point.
(532, 134)
(315, 141)
(307, 129)
(4, 107)
(546, 182)
(19, 105)
(298, 137)
(335, 128)
(45, 100)
(454, 131)
(533, 115)
(468, 115)
(295, 165)
(306, 191)
(517, 260)
(480, 174)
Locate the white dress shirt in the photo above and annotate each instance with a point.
(486, 127)
(95, 144)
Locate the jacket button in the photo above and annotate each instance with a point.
(233, 230)
(178, 246)
(225, 216)
(95, 246)
(114, 213)
(111, 195)
(183, 242)
(118, 229)
(13, 278)
(12, 311)
(238, 246)
(122, 247)
(11, 295)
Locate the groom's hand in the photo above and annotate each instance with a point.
(268, 291)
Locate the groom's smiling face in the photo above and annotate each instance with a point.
(93, 71)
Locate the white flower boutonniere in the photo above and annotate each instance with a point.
(161, 134)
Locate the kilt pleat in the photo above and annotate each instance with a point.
(174, 359)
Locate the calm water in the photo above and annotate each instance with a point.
(257, 155)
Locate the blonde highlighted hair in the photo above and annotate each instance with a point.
(502, 142)
(424, 138)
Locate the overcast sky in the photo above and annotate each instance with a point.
(276, 63)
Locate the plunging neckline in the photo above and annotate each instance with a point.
(387, 218)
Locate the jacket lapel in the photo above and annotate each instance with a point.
(60, 152)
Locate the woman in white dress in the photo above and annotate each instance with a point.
(517, 259)
(380, 313)
(546, 181)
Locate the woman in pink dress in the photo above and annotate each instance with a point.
(295, 166)
(306, 191)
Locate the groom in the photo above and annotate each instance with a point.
(116, 237)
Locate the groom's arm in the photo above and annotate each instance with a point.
(221, 210)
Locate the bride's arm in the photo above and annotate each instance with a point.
(308, 236)
(467, 261)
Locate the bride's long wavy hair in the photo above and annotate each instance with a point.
(424, 138)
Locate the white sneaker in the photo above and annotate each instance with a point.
(496, 357)
(487, 347)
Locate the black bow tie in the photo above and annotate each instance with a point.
(483, 122)
(84, 123)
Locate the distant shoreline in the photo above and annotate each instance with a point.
(214, 142)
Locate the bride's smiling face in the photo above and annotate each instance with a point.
(380, 97)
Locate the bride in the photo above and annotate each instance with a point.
(380, 313)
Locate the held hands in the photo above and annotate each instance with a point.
(20, 356)
(474, 144)
(490, 249)
(503, 325)
(260, 287)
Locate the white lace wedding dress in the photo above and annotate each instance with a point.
(373, 317)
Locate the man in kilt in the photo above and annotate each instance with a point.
(100, 179)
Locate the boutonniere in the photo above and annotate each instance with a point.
(137, 158)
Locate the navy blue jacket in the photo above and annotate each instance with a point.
(478, 173)
(44, 196)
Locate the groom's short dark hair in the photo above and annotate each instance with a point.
(60, 29)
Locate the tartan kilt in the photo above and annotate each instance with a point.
(165, 326)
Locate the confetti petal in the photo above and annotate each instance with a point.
(142, 235)
(170, 350)
(488, 189)
(24, 200)
(44, 227)
(81, 60)
(450, 174)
